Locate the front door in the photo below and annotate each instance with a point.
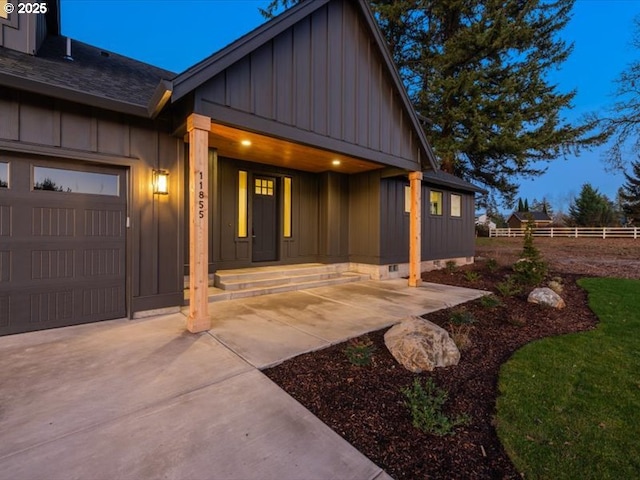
(265, 219)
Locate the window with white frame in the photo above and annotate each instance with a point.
(456, 205)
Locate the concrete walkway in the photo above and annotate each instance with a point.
(144, 399)
(267, 330)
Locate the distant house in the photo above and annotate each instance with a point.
(520, 219)
(295, 144)
(485, 221)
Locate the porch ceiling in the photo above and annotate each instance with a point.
(274, 151)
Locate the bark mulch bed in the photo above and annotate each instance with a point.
(365, 405)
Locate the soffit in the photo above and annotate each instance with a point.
(274, 151)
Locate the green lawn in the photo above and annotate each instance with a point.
(569, 406)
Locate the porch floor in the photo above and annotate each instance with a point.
(270, 329)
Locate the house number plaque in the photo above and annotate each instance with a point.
(201, 195)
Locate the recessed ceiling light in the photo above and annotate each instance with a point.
(246, 143)
(336, 162)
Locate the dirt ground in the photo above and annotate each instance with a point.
(365, 405)
(595, 257)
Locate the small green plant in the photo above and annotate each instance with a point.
(425, 404)
(360, 351)
(490, 301)
(492, 264)
(472, 276)
(461, 316)
(450, 266)
(509, 287)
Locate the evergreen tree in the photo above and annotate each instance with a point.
(477, 71)
(526, 204)
(591, 209)
(542, 206)
(520, 205)
(630, 194)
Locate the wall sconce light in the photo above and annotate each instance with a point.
(160, 182)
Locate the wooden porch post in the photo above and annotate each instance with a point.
(198, 127)
(415, 233)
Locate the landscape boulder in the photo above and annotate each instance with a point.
(420, 345)
(556, 286)
(546, 296)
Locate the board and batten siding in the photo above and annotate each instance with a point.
(364, 218)
(324, 79)
(24, 33)
(443, 236)
(42, 127)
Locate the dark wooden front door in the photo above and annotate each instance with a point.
(264, 219)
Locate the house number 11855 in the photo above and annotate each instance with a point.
(200, 195)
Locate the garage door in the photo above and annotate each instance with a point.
(62, 243)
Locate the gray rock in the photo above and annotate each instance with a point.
(421, 345)
(546, 296)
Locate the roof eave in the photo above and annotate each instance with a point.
(72, 95)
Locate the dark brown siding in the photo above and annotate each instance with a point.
(442, 236)
(394, 229)
(41, 126)
(364, 218)
(334, 217)
(19, 33)
(321, 81)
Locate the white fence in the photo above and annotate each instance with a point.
(573, 232)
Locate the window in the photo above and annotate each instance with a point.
(3, 11)
(407, 199)
(286, 223)
(4, 175)
(435, 200)
(456, 205)
(264, 186)
(242, 204)
(74, 181)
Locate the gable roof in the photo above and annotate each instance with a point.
(94, 77)
(537, 216)
(230, 56)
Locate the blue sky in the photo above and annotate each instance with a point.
(176, 34)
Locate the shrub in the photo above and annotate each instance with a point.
(490, 301)
(450, 266)
(509, 287)
(425, 404)
(531, 268)
(360, 351)
(492, 264)
(472, 276)
(461, 317)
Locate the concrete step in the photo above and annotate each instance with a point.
(272, 281)
(217, 294)
(277, 271)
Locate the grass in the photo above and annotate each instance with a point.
(569, 407)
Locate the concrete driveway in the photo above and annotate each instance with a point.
(145, 399)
